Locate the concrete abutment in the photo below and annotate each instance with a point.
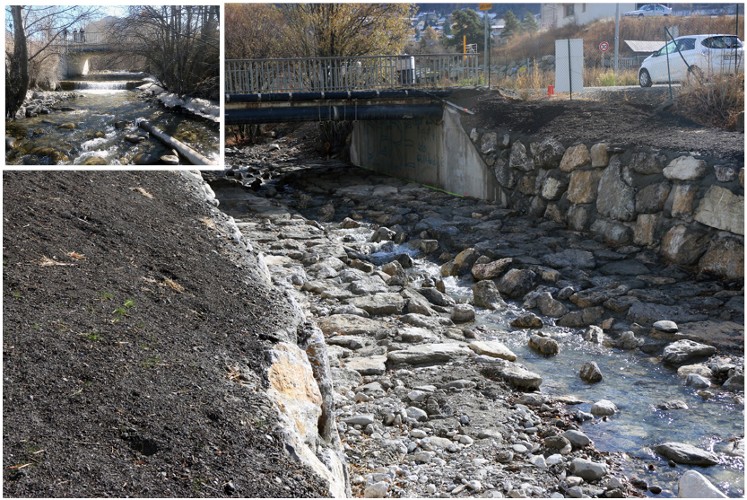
(623, 196)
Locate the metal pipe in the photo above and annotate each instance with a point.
(338, 95)
(332, 113)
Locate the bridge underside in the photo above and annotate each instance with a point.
(333, 106)
(76, 62)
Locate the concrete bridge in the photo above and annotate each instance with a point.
(403, 123)
(343, 88)
(76, 48)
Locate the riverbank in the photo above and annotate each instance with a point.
(135, 341)
(441, 311)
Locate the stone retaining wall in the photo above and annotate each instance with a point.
(679, 206)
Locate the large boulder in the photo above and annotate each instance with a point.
(485, 294)
(683, 351)
(616, 198)
(492, 348)
(517, 282)
(693, 484)
(430, 354)
(722, 209)
(687, 454)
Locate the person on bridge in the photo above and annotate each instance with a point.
(75, 35)
(82, 36)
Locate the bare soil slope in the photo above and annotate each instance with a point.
(133, 345)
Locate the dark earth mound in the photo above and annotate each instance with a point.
(624, 117)
(134, 344)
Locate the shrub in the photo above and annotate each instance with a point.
(717, 102)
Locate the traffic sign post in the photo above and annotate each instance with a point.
(604, 46)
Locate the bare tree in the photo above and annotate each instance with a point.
(36, 30)
(180, 44)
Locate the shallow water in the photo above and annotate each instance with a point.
(636, 382)
(103, 116)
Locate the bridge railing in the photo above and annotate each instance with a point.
(76, 39)
(252, 76)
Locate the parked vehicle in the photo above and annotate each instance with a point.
(650, 9)
(692, 56)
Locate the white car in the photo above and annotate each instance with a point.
(650, 9)
(691, 56)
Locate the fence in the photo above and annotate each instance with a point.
(249, 76)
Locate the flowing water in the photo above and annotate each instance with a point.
(637, 383)
(104, 114)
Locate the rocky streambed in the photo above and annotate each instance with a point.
(477, 352)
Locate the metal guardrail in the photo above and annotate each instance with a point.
(253, 76)
(75, 38)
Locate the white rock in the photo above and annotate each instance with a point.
(693, 484)
(418, 433)
(603, 407)
(538, 461)
(685, 168)
(376, 490)
(492, 348)
(416, 413)
(588, 470)
(554, 459)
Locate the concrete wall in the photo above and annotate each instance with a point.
(74, 65)
(438, 154)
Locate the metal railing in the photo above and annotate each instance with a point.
(325, 74)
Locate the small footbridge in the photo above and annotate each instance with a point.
(344, 88)
(402, 123)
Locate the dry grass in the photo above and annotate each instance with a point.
(527, 47)
(718, 102)
(602, 77)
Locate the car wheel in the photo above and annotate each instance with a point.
(644, 78)
(694, 75)
(640, 15)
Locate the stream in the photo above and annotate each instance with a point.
(99, 126)
(635, 380)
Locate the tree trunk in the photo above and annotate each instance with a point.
(17, 75)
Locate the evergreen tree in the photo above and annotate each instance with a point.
(529, 23)
(512, 25)
(467, 23)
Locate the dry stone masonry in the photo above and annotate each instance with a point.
(686, 210)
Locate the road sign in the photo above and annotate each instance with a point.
(604, 46)
(486, 6)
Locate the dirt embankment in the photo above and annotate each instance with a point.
(134, 340)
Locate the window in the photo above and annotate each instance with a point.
(686, 44)
(568, 10)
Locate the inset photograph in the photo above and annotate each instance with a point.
(113, 85)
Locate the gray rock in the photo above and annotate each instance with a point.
(544, 345)
(603, 407)
(516, 376)
(462, 313)
(416, 413)
(571, 258)
(616, 199)
(170, 159)
(681, 352)
(721, 209)
(697, 381)
(549, 306)
(685, 168)
(575, 157)
(628, 341)
(490, 270)
(683, 453)
(376, 490)
(666, 326)
(380, 304)
(436, 297)
(517, 282)
(361, 419)
(558, 444)
(693, 484)
(492, 348)
(527, 320)
(588, 470)
(591, 373)
(577, 438)
(519, 159)
(369, 365)
(427, 354)
(594, 334)
(548, 153)
(485, 294)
